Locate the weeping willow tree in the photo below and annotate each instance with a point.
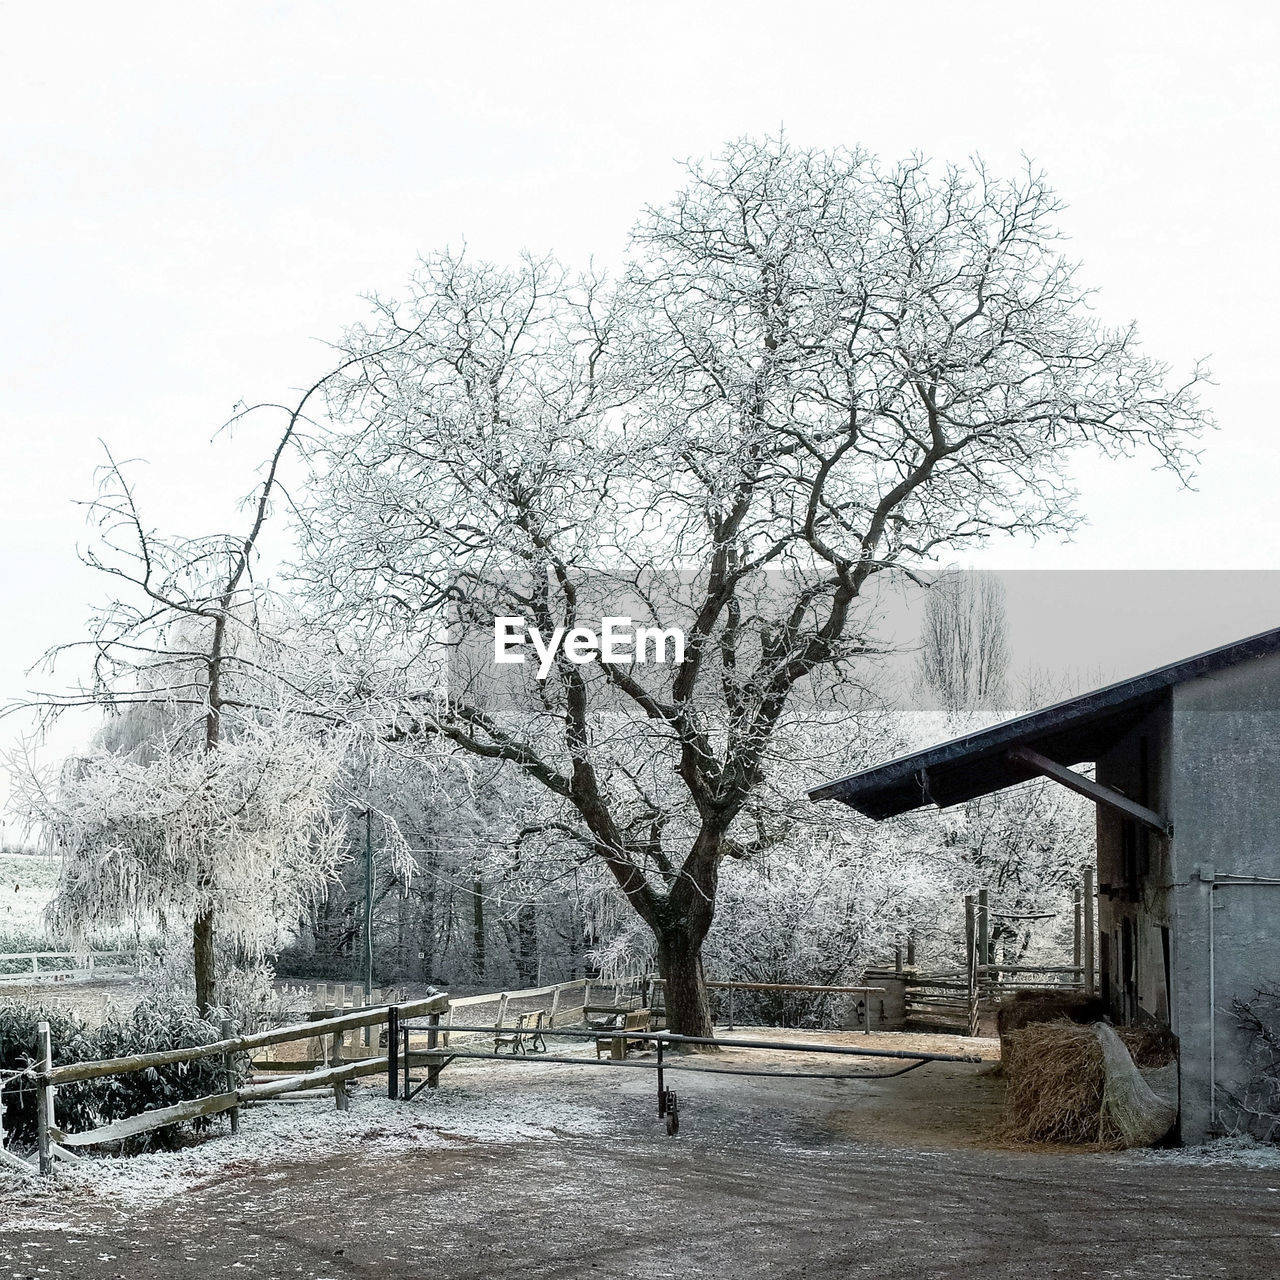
(155, 828)
(221, 791)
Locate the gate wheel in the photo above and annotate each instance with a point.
(673, 1114)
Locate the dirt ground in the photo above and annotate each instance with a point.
(766, 1178)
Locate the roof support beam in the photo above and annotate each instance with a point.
(1095, 791)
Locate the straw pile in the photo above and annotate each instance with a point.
(1057, 1079)
(1025, 1007)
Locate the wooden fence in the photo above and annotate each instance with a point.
(783, 988)
(83, 965)
(567, 1003)
(53, 1144)
(952, 1001)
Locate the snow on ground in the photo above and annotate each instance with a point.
(276, 1134)
(1241, 1152)
(27, 885)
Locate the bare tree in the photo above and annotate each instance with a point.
(184, 637)
(815, 369)
(964, 647)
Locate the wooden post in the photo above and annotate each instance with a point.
(433, 1042)
(1077, 952)
(1090, 984)
(44, 1098)
(911, 951)
(971, 962)
(335, 1060)
(586, 992)
(502, 1008)
(984, 928)
(555, 1005)
(897, 960)
(393, 1051)
(229, 1070)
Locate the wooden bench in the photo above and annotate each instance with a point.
(621, 1020)
(525, 1036)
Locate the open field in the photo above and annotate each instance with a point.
(531, 1169)
(27, 883)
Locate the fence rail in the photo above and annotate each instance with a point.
(83, 964)
(53, 1144)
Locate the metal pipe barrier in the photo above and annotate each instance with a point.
(436, 1057)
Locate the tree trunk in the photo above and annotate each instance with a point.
(680, 964)
(478, 961)
(202, 947)
(527, 944)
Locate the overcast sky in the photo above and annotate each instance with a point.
(195, 197)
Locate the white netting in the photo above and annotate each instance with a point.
(1140, 1106)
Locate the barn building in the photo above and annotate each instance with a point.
(1187, 788)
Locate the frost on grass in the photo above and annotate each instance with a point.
(276, 1136)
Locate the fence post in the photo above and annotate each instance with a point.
(44, 1098)
(393, 1050)
(971, 964)
(433, 1042)
(1088, 931)
(335, 1060)
(555, 1005)
(1077, 953)
(229, 1069)
(984, 932)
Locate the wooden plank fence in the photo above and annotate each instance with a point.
(952, 1001)
(53, 1144)
(566, 1007)
(84, 965)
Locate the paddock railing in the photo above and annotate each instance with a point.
(54, 1144)
(22, 967)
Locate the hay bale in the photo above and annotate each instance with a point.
(1057, 1078)
(1047, 1005)
(1139, 1113)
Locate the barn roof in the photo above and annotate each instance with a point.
(1069, 732)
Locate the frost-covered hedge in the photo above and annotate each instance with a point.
(149, 1027)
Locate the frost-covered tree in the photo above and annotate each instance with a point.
(169, 833)
(182, 634)
(964, 643)
(815, 369)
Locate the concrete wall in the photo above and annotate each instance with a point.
(887, 1011)
(1224, 802)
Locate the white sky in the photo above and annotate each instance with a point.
(193, 197)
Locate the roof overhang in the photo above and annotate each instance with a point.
(1071, 732)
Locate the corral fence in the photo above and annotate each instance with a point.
(954, 1000)
(55, 1145)
(562, 1004)
(786, 1004)
(331, 1047)
(23, 967)
(614, 1013)
(435, 1055)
